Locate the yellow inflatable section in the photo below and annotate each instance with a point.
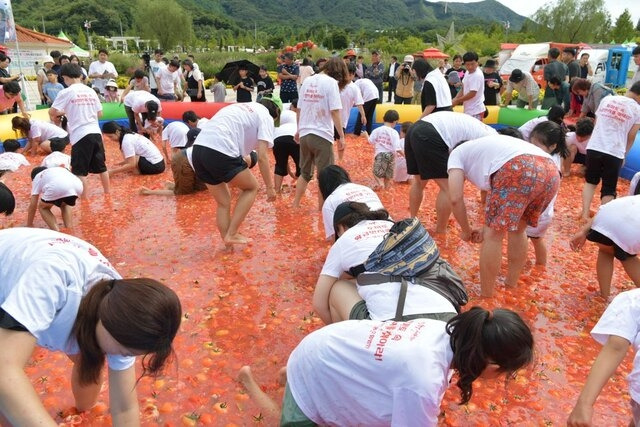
(6, 130)
(411, 113)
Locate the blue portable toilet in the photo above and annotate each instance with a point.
(617, 66)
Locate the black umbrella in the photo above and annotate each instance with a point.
(230, 74)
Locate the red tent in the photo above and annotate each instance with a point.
(433, 53)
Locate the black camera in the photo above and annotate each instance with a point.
(406, 68)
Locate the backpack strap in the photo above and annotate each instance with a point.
(401, 300)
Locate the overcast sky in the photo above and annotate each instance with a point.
(529, 7)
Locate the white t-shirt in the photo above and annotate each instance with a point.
(12, 161)
(348, 192)
(57, 158)
(137, 99)
(236, 129)
(372, 373)
(288, 124)
(368, 89)
(43, 276)
(45, 130)
(457, 127)
(167, 80)
(202, 122)
(56, 183)
(619, 221)
(526, 128)
(319, 95)
(176, 134)
(350, 96)
(137, 145)
(97, 67)
(155, 69)
(480, 158)
(621, 318)
(572, 139)
(616, 116)
(385, 139)
(81, 105)
(354, 246)
(474, 82)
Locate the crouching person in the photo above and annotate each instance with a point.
(53, 187)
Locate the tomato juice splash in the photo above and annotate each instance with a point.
(252, 305)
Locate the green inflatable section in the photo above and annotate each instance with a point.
(516, 117)
(113, 111)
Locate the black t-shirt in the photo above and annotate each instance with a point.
(490, 93)
(243, 95)
(264, 84)
(428, 97)
(461, 72)
(574, 69)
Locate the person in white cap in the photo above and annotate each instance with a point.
(41, 76)
(404, 81)
(111, 91)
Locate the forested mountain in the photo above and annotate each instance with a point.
(238, 15)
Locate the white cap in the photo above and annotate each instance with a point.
(408, 58)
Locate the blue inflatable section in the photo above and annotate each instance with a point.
(632, 162)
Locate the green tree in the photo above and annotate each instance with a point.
(81, 39)
(337, 40)
(638, 26)
(165, 21)
(623, 30)
(573, 21)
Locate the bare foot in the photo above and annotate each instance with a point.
(245, 376)
(237, 239)
(145, 190)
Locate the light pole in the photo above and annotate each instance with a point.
(87, 26)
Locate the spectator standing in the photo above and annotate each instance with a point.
(455, 84)
(569, 58)
(557, 69)
(155, 65)
(636, 60)
(471, 96)
(435, 95)
(393, 67)
(264, 84)
(585, 67)
(195, 81)
(404, 81)
(492, 83)
(306, 70)
(288, 73)
(101, 71)
(168, 79)
(218, 88)
(41, 76)
(375, 73)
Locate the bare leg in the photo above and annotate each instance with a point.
(85, 187)
(387, 183)
(415, 194)
(277, 182)
(605, 200)
(443, 206)
(540, 248)
(378, 183)
(148, 192)
(632, 267)
(516, 254)
(104, 178)
(47, 215)
(490, 259)
(229, 223)
(587, 196)
(301, 187)
(262, 399)
(342, 298)
(604, 269)
(45, 146)
(67, 215)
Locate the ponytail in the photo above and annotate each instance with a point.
(112, 127)
(479, 337)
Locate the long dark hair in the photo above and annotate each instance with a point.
(479, 337)
(140, 314)
(330, 178)
(21, 124)
(112, 127)
(7, 201)
(549, 133)
(336, 68)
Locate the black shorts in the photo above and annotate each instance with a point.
(8, 322)
(70, 201)
(213, 167)
(58, 144)
(580, 158)
(603, 166)
(618, 252)
(147, 168)
(87, 155)
(426, 152)
(283, 148)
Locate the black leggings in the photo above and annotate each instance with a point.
(283, 148)
(369, 107)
